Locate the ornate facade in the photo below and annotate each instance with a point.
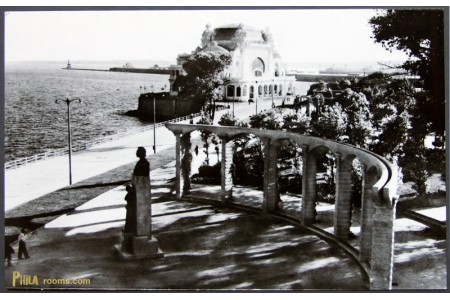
(256, 69)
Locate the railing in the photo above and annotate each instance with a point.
(59, 152)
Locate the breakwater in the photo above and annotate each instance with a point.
(162, 71)
(80, 69)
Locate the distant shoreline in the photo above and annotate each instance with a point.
(166, 71)
(324, 77)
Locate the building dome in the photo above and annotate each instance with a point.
(232, 36)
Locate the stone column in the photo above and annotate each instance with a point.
(308, 186)
(141, 244)
(367, 210)
(271, 195)
(226, 190)
(382, 256)
(342, 216)
(178, 164)
(186, 163)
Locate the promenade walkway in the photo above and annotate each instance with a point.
(42, 177)
(205, 248)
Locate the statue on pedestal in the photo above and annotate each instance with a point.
(138, 242)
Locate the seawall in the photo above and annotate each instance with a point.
(167, 107)
(164, 71)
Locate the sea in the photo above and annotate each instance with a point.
(35, 123)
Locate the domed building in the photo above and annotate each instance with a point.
(256, 69)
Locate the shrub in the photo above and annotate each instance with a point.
(208, 174)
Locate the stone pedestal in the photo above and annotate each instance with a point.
(134, 248)
(140, 244)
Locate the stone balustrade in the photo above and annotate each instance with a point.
(379, 188)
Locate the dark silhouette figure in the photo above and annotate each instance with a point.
(142, 167)
(217, 151)
(9, 251)
(130, 220)
(196, 150)
(23, 252)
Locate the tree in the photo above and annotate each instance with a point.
(266, 120)
(229, 120)
(359, 129)
(297, 123)
(204, 80)
(420, 34)
(332, 123)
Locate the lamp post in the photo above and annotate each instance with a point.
(234, 95)
(256, 97)
(68, 101)
(154, 120)
(273, 83)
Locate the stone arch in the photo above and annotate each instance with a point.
(207, 151)
(243, 152)
(258, 67)
(348, 195)
(238, 91)
(230, 90)
(290, 174)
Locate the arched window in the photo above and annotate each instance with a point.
(230, 90)
(252, 91)
(238, 91)
(258, 67)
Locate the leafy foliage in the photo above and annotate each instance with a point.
(266, 120)
(297, 123)
(332, 123)
(204, 80)
(420, 34)
(229, 120)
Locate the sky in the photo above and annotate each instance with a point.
(300, 35)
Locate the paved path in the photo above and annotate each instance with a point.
(40, 178)
(205, 248)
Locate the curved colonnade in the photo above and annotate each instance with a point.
(379, 188)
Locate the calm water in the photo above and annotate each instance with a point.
(34, 123)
